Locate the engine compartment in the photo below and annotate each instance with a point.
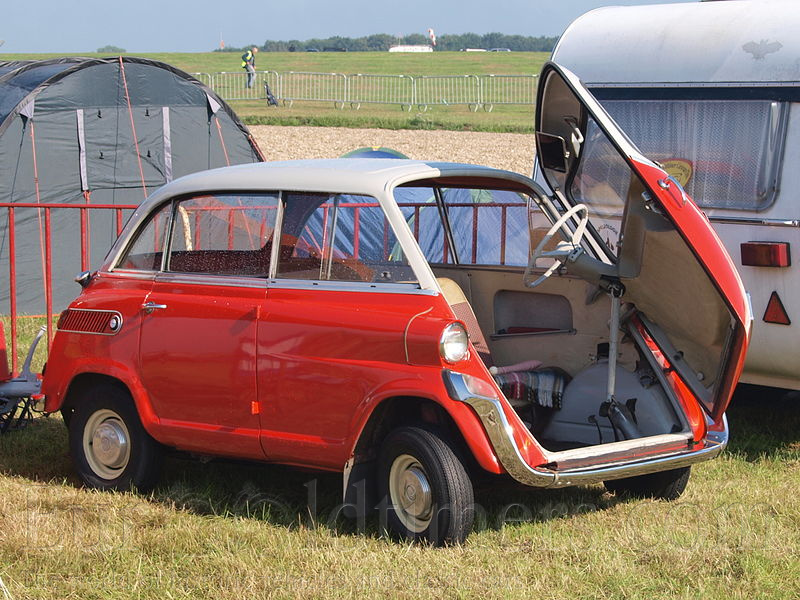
(548, 350)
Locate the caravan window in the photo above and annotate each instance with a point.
(725, 153)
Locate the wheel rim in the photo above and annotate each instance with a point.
(410, 493)
(106, 444)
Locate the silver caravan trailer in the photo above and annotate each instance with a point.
(712, 91)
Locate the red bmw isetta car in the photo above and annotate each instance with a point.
(411, 324)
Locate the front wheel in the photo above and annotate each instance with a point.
(663, 485)
(109, 446)
(428, 491)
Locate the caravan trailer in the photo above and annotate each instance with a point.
(711, 90)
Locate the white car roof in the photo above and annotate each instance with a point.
(367, 176)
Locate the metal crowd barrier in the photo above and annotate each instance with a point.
(314, 87)
(406, 91)
(447, 90)
(380, 89)
(232, 85)
(507, 89)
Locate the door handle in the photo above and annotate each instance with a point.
(149, 307)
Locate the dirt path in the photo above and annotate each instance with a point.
(511, 151)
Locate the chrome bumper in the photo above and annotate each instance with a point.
(500, 434)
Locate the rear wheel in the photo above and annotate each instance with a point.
(428, 491)
(109, 446)
(664, 485)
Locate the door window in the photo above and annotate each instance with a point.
(146, 251)
(223, 234)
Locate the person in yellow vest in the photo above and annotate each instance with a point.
(249, 64)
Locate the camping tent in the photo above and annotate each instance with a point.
(97, 131)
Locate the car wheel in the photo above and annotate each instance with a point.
(664, 485)
(425, 488)
(109, 446)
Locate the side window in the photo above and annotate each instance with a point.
(337, 237)
(147, 249)
(223, 234)
(720, 165)
(418, 205)
(490, 227)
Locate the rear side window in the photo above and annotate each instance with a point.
(339, 237)
(725, 153)
(487, 226)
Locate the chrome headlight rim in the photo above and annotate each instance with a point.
(454, 343)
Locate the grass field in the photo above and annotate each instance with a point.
(502, 118)
(230, 531)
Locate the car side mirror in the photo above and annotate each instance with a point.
(83, 278)
(552, 151)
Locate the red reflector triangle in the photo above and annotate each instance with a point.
(775, 312)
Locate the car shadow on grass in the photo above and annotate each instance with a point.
(281, 496)
(295, 499)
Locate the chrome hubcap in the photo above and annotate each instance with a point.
(106, 444)
(410, 493)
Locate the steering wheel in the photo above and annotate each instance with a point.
(563, 249)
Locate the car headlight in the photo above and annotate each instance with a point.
(454, 343)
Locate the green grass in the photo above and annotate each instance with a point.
(27, 328)
(227, 530)
(518, 119)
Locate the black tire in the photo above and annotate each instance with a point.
(129, 459)
(66, 416)
(415, 460)
(664, 485)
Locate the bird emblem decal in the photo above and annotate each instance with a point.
(761, 49)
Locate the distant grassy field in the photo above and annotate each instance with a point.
(502, 118)
(433, 63)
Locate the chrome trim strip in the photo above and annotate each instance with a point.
(408, 326)
(208, 279)
(125, 274)
(755, 221)
(350, 286)
(277, 235)
(499, 431)
(503, 336)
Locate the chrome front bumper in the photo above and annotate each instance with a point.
(500, 433)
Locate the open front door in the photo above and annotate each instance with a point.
(646, 234)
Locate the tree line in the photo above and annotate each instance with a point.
(381, 42)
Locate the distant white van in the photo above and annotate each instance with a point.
(712, 91)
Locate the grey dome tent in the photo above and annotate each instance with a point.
(88, 131)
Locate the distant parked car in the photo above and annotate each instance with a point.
(500, 50)
(387, 319)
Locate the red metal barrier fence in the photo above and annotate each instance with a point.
(498, 234)
(46, 246)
